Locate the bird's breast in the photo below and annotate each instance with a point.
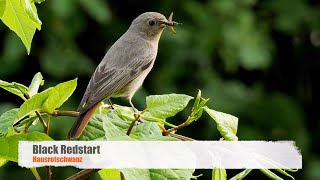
(132, 87)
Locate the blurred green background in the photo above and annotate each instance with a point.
(257, 60)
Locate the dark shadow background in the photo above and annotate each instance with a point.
(258, 60)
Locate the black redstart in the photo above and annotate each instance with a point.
(124, 67)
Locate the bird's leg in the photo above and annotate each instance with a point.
(134, 109)
(110, 103)
(137, 116)
(136, 112)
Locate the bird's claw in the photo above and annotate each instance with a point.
(138, 118)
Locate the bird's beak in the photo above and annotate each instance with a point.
(167, 23)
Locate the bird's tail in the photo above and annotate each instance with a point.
(80, 123)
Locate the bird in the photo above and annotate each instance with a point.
(124, 67)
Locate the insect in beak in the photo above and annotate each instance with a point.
(170, 23)
(173, 23)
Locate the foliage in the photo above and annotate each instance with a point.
(111, 125)
(22, 18)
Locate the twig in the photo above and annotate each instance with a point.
(130, 127)
(46, 130)
(27, 126)
(48, 125)
(132, 124)
(83, 174)
(44, 124)
(176, 128)
(49, 173)
(65, 113)
(55, 114)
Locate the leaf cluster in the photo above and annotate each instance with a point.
(120, 123)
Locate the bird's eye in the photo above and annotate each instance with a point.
(151, 22)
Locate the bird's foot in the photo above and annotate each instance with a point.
(138, 118)
(110, 104)
(139, 121)
(106, 107)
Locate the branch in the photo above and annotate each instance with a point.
(46, 130)
(49, 173)
(132, 124)
(54, 114)
(130, 127)
(166, 132)
(65, 113)
(44, 124)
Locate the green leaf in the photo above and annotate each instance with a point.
(17, 18)
(197, 108)
(2, 7)
(48, 100)
(136, 174)
(31, 10)
(158, 138)
(270, 174)
(12, 87)
(113, 125)
(241, 175)
(197, 101)
(25, 123)
(33, 104)
(22, 88)
(158, 174)
(35, 84)
(147, 116)
(109, 174)
(168, 105)
(125, 112)
(6, 121)
(3, 161)
(112, 131)
(120, 122)
(94, 130)
(285, 173)
(147, 129)
(226, 124)
(37, 1)
(219, 174)
(11, 132)
(59, 94)
(195, 116)
(9, 145)
(171, 174)
(106, 126)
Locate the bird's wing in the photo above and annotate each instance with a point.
(112, 77)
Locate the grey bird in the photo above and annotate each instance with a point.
(124, 67)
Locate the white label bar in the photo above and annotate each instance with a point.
(161, 154)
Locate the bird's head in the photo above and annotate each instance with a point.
(151, 24)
